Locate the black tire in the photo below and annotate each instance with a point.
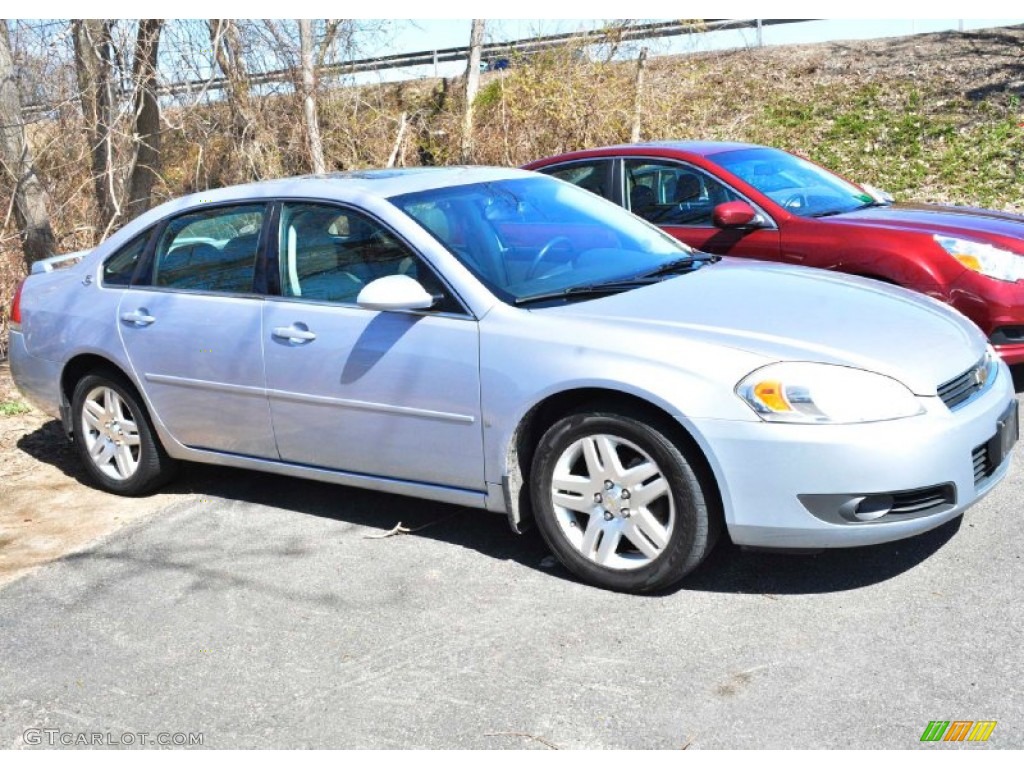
(686, 512)
(152, 466)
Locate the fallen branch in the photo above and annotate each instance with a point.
(521, 734)
(399, 529)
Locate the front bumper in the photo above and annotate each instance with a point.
(37, 379)
(1013, 354)
(765, 469)
(998, 309)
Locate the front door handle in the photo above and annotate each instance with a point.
(297, 334)
(140, 316)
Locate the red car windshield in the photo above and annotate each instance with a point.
(799, 186)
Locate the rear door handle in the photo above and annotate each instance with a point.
(140, 316)
(294, 333)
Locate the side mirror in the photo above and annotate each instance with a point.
(394, 293)
(735, 215)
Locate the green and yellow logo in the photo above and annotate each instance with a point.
(958, 730)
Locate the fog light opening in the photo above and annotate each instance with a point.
(873, 507)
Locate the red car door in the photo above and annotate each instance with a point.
(681, 198)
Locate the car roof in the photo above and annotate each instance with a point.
(701, 148)
(343, 185)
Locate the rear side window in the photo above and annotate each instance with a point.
(592, 176)
(119, 268)
(213, 250)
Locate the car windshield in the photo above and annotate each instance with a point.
(798, 185)
(528, 237)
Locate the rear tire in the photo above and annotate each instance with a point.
(619, 502)
(115, 439)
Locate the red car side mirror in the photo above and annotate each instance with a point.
(734, 215)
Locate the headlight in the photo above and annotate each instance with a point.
(817, 393)
(984, 258)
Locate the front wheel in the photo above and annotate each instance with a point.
(618, 502)
(115, 439)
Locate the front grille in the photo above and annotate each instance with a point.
(957, 391)
(923, 500)
(982, 463)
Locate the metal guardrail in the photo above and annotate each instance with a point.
(524, 46)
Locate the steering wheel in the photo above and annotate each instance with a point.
(795, 201)
(544, 251)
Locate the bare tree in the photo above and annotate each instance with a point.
(146, 136)
(314, 144)
(31, 202)
(476, 41)
(333, 28)
(94, 67)
(397, 154)
(247, 128)
(638, 91)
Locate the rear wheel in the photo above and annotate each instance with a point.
(115, 439)
(619, 503)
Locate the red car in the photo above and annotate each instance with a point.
(763, 203)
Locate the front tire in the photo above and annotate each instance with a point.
(115, 439)
(619, 503)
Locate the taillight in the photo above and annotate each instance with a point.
(16, 307)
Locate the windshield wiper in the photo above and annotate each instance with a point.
(593, 289)
(684, 264)
(837, 211)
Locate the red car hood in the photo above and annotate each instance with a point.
(960, 221)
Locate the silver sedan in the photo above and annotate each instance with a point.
(507, 341)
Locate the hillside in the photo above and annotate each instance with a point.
(931, 117)
(936, 117)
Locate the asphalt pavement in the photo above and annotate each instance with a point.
(268, 612)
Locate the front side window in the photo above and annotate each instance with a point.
(329, 253)
(672, 194)
(211, 250)
(119, 268)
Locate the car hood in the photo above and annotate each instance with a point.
(960, 221)
(791, 313)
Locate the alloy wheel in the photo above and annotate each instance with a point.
(612, 502)
(111, 433)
